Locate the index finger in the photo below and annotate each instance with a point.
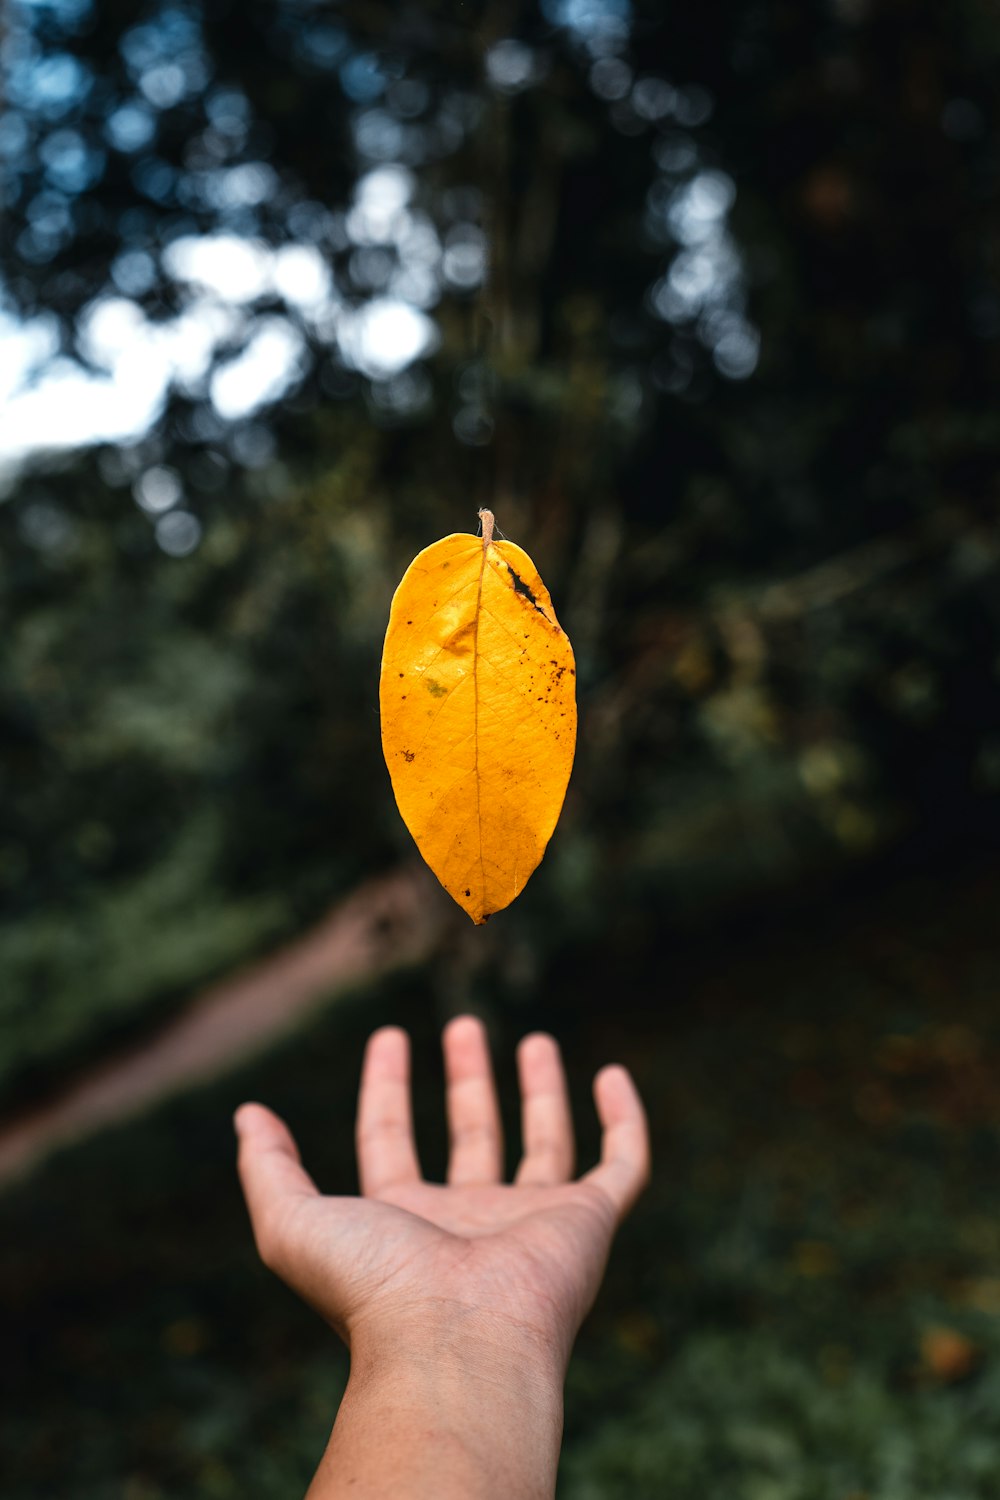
(387, 1155)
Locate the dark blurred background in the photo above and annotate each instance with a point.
(704, 301)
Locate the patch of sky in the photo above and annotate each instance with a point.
(653, 98)
(166, 59)
(384, 336)
(263, 370)
(243, 271)
(610, 78)
(705, 283)
(155, 179)
(230, 189)
(417, 242)
(223, 264)
(158, 489)
(415, 284)
(698, 278)
(28, 347)
(734, 342)
(13, 136)
(68, 14)
(49, 219)
(107, 327)
(163, 36)
(178, 533)
(312, 221)
(49, 227)
(164, 84)
(229, 111)
(600, 24)
(363, 78)
(301, 276)
(130, 127)
(70, 164)
(511, 66)
(320, 45)
(379, 213)
(379, 136)
(464, 261)
(382, 218)
(370, 267)
(70, 408)
(131, 362)
(56, 403)
(695, 211)
(133, 272)
(50, 85)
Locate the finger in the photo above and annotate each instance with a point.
(387, 1155)
(625, 1158)
(271, 1173)
(473, 1113)
(546, 1122)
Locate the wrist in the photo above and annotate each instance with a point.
(470, 1344)
(464, 1410)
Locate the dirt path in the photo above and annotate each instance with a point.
(386, 924)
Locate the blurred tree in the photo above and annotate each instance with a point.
(706, 305)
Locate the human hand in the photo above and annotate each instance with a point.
(486, 1280)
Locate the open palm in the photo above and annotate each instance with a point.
(411, 1254)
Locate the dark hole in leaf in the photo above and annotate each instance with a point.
(520, 587)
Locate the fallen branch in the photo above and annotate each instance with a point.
(386, 924)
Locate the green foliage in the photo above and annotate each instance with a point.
(804, 1306)
(740, 1415)
(76, 973)
(780, 576)
(174, 795)
(782, 589)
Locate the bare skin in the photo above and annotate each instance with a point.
(460, 1303)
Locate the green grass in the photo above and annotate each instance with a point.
(827, 1200)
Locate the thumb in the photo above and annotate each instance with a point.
(271, 1174)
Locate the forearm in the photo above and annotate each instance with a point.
(485, 1424)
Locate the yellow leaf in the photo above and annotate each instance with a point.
(478, 700)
